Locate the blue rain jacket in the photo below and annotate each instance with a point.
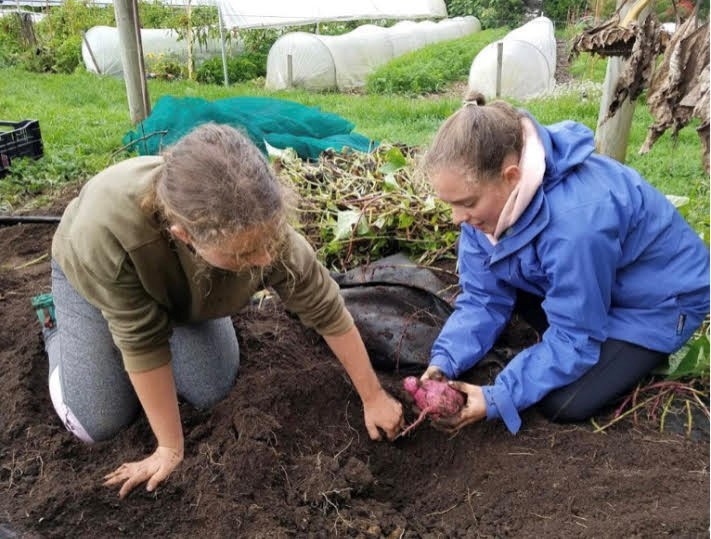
(609, 254)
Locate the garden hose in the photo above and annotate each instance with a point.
(8, 220)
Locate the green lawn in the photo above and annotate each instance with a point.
(84, 117)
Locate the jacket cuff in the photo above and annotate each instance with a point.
(444, 364)
(499, 404)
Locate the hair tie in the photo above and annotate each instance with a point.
(470, 102)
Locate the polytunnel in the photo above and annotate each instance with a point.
(404, 39)
(101, 49)
(527, 66)
(312, 66)
(245, 14)
(318, 62)
(367, 48)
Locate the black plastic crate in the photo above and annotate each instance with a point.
(23, 139)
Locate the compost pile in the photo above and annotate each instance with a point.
(287, 454)
(358, 207)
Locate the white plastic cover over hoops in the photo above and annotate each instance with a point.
(405, 38)
(245, 14)
(312, 65)
(528, 62)
(265, 13)
(106, 49)
(364, 50)
(353, 55)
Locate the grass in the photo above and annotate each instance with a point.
(587, 66)
(84, 117)
(431, 68)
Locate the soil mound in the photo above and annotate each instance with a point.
(287, 454)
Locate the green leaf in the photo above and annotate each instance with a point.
(405, 220)
(695, 362)
(394, 161)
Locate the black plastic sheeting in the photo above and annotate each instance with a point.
(399, 308)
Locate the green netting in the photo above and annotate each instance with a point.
(281, 123)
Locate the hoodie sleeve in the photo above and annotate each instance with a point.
(579, 263)
(308, 290)
(482, 309)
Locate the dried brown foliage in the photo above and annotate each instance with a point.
(678, 86)
(679, 89)
(639, 43)
(649, 42)
(606, 39)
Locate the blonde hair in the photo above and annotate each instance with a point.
(476, 139)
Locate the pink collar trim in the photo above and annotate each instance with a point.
(533, 166)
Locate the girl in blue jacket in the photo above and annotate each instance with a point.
(610, 274)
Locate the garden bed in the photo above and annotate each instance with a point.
(294, 459)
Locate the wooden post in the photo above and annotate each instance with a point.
(612, 135)
(189, 34)
(499, 66)
(27, 28)
(131, 56)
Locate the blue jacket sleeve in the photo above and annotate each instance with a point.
(579, 263)
(482, 309)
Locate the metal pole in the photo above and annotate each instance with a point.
(141, 61)
(289, 71)
(222, 45)
(499, 65)
(91, 53)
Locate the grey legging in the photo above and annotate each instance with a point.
(89, 387)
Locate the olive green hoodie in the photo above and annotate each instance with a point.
(124, 262)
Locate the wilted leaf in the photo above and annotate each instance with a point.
(346, 222)
(605, 39)
(678, 201)
(679, 88)
(390, 183)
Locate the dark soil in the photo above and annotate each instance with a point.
(287, 455)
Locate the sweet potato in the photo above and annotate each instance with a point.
(434, 398)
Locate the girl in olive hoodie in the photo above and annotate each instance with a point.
(149, 262)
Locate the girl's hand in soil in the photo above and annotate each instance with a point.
(385, 412)
(433, 373)
(154, 469)
(474, 408)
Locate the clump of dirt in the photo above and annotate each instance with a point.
(287, 454)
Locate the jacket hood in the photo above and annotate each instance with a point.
(567, 144)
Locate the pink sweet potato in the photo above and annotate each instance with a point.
(433, 398)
